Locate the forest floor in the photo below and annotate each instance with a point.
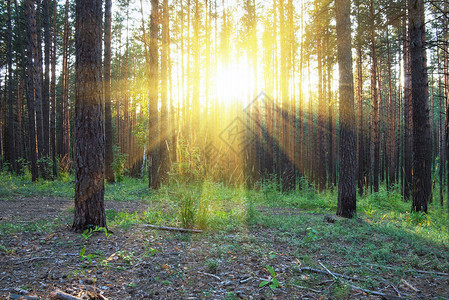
(323, 258)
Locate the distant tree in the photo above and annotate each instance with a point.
(89, 136)
(347, 170)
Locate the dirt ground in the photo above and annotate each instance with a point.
(143, 263)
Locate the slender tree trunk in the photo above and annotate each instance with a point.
(375, 103)
(108, 154)
(408, 137)
(10, 138)
(53, 94)
(321, 141)
(33, 83)
(153, 135)
(46, 82)
(165, 131)
(89, 135)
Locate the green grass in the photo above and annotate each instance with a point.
(383, 232)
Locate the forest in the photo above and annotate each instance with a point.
(224, 149)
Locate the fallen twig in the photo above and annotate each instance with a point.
(63, 296)
(31, 259)
(306, 288)
(410, 286)
(327, 273)
(328, 270)
(172, 228)
(371, 292)
(209, 274)
(411, 270)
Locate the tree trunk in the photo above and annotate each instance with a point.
(408, 137)
(165, 130)
(46, 83)
(53, 93)
(153, 135)
(33, 83)
(10, 138)
(375, 103)
(420, 102)
(89, 136)
(108, 153)
(347, 170)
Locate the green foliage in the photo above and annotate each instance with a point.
(86, 235)
(272, 281)
(118, 165)
(189, 167)
(311, 236)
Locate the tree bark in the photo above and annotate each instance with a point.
(89, 136)
(53, 94)
(346, 187)
(420, 102)
(33, 83)
(10, 138)
(109, 155)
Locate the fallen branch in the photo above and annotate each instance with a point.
(209, 274)
(333, 274)
(63, 296)
(31, 259)
(172, 228)
(387, 296)
(410, 286)
(411, 270)
(306, 288)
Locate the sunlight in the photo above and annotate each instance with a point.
(234, 82)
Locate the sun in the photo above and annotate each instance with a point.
(235, 82)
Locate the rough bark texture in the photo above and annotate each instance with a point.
(347, 171)
(420, 103)
(109, 155)
(89, 137)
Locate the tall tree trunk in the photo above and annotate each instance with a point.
(153, 135)
(53, 94)
(408, 136)
(108, 153)
(375, 103)
(321, 141)
(89, 135)
(420, 102)
(165, 131)
(346, 187)
(46, 82)
(10, 138)
(33, 83)
(361, 132)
